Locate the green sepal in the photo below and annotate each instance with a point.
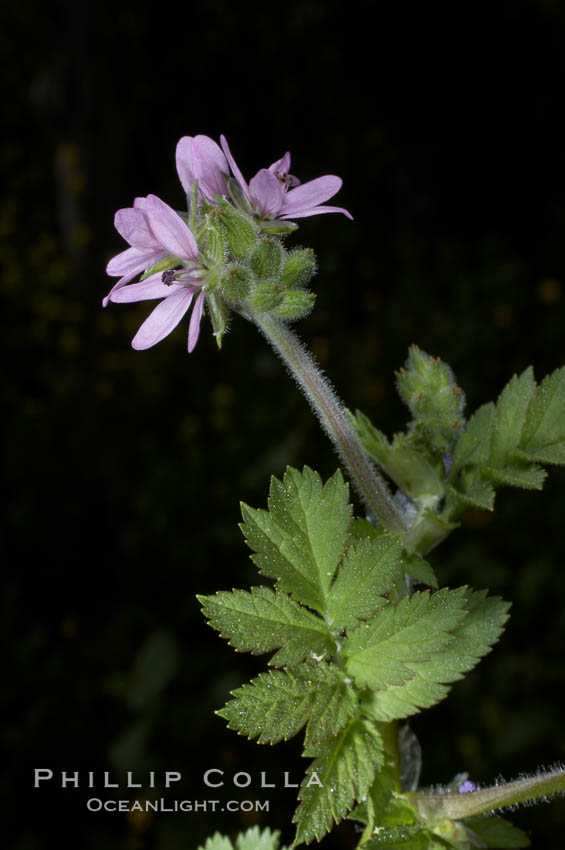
(263, 620)
(276, 228)
(296, 304)
(276, 705)
(238, 229)
(265, 258)
(213, 245)
(298, 268)
(236, 282)
(169, 262)
(300, 540)
(219, 315)
(345, 766)
(266, 296)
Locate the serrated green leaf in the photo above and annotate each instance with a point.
(361, 528)
(277, 704)
(378, 797)
(543, 436)
(344, 768)
(412, 837)
(256, 839)
(420, 570)
(471, 640)
(385, 652)
(301, 538)
(510, 417)
(217, 842)
(369, 569)
(528, 476)
(497, 832)
(263, 619)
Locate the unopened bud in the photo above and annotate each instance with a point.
(236, 282)
(266, 296)
(298, 267)
(238, 230)
(265, 258)
(295, 304)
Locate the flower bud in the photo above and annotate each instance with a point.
(298, 267)
(295, 304)
(236, 282)
(428, 387)
(265, 258)
(237, 229)
(266, 296)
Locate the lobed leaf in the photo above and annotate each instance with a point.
(369, 569)
(471, 640)
(263, 619)
(543, 436)
(343, 769)
(497, 832)
(389, 650)
(276, 705)
(300, 540)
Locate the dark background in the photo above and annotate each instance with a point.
(125, 469)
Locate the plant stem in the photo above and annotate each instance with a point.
(434, 806)
(327, 406)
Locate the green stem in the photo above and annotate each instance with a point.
(368, 482)
(434, 806)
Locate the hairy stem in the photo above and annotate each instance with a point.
(435, 806)
(368, 482)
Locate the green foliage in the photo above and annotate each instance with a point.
(252, 839)
(504, 443)
(263, 619)
(469, 641)
(496, 832)
(277, 704)
(345, 767)
(300, 540)
(356, 649)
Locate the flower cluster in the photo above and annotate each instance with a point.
(226, 252)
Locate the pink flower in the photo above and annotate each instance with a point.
(275, 194)
(200, 158)
(155, 231)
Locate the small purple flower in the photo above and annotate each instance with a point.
(275, 194)
(466, 787)
(200, 158)
(165, 233)
(133, 224)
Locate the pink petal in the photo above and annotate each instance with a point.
(170, 229)
(151, 287)
(282, 165)
(133, 260)
(210, 166)
(184, 160)
(315, 211)
(309, 195)
(164, 319)
(139, 203)
(194, 327)
(266, 192)
(132, 224)
(234, 168)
